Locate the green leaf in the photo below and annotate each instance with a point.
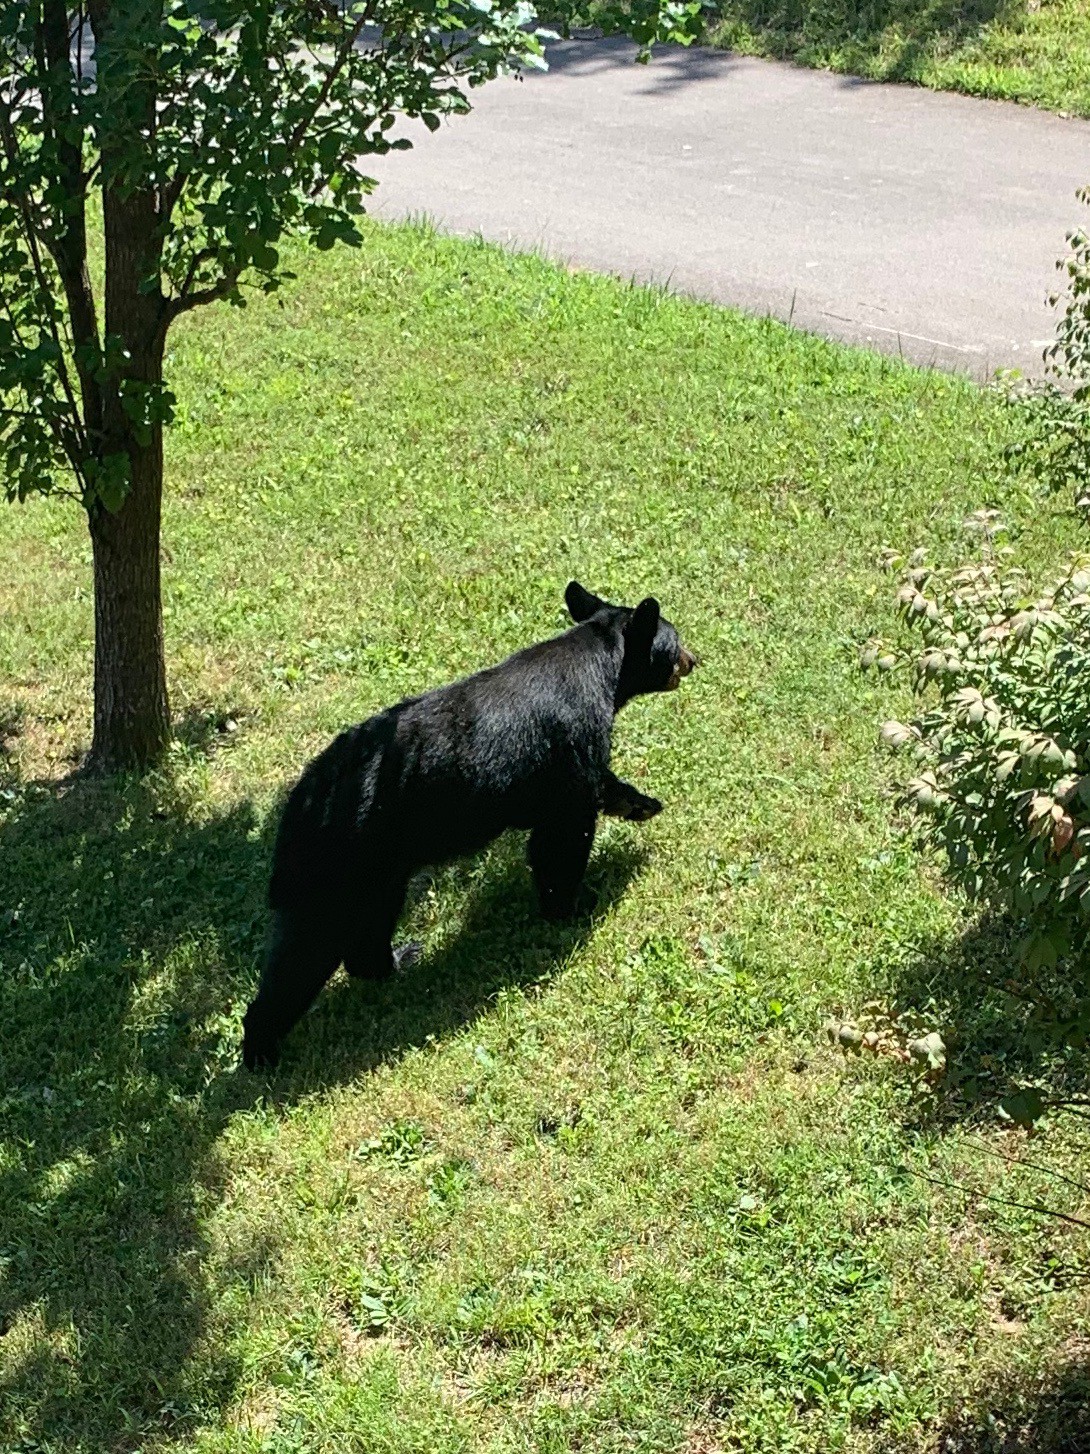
(109, 480)
(1024, 1107)
(375, 1311)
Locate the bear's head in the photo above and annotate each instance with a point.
(654, 659)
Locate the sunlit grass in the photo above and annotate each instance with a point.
(605, 1188)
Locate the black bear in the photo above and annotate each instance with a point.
(524, 744)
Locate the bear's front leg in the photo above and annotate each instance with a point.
(559, 851)
(369, 952)
(622, 800)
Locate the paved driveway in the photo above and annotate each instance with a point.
(900, 218)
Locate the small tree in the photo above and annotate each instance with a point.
(207, 130)
(1056, 446)
(1002, 742)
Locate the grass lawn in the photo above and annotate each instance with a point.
(605, 1188)
(1034, 51)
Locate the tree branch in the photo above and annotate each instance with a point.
(60, 111)
(337, 65)
(187, 299)
(72, 448)
(973, 1191)
(327, 10)
(1032, 1166)
(204, 255)
(185, 302)
(169, 193)
(30, 236)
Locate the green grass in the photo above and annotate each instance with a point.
(605, 1188)
(1033, 51)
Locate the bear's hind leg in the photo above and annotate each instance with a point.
(559, 851)
(303, 953)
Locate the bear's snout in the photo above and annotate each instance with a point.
(685, 663)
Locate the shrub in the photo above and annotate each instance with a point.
(1002, 740)
(1056, 449)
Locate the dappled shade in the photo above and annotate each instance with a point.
(130, 947)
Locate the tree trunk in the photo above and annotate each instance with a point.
(132, 715)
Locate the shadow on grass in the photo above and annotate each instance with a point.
(1051, 1417)
(499, 940)
(1005, 1028)
(893, 39)
(897, 36)
(131, 930)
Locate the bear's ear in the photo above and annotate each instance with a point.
(640, 628)
(580, 603)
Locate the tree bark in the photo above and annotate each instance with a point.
(132, 714)
(132, 711)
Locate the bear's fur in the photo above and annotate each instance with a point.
(525, 744)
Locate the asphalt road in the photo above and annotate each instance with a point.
(903, 219)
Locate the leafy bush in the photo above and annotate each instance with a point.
(1002, 741)
(1056, 449)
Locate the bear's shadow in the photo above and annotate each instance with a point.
(131, 932)
(482, 933)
